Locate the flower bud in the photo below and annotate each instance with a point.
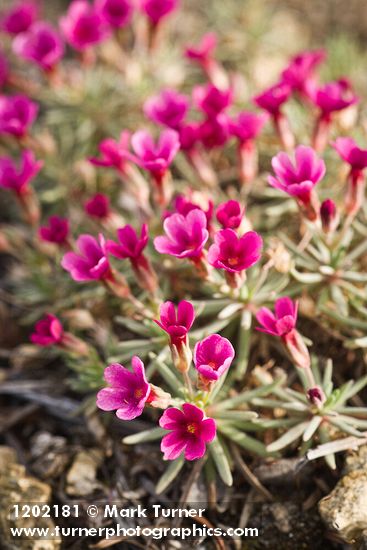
(316, 396)
(329, 216)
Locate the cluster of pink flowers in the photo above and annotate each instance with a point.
(129, 392)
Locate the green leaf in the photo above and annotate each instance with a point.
(243, 347)
(219, 457)
(170, 474)
(133, 326)
(242, 439)
(312, 428)
(169, 376)
(144, 436)
(288, 437)
(247, 396)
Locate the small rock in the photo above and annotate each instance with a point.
(345, 508)
(81, 478)
(17, 487)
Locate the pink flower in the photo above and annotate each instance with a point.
(203, 52)
(155, 157)
(83, 25)
(184, 205)
(214, 131)
(189, 135)
(273, 98)
(349, 151)
(128, 392)
(357, 159)
(4, 69)
(213, 356)
(156, 10)
(301, 68)
(333, 96)
(114, 153)
(57, 230)
(116, 13)
(130, 245)
(18, 179)
(190, 431)
(176, 324)
(48, 331)
(211, 100)
(41, 44)
(283, 322)
(169, 108)
(233, 253)
(98, 206)
(185, 235)
(92, 261)
(329, 216)
(19, 18)
(248, 125)
(299, 179)
(229, 214)
(17, 114)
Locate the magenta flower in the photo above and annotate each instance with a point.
(17, 114)
(98, 206)
(329, 216)
(185, 235)
(272, 99)
(19, 17)
(211, 100)
(357, 159)
(92, 261)
(176, 323)
(169, 108)
(116, 13)
(128, 392)
(301, 69)
(114, 153)
(155, 157)
(184, 205)
(329, 98)
(57, 231)
(189, 135)
(203, 52)
(349, 151)
(41, 44)
(248, 125)
(4, 69)
(214, 131)
(213, 357)
(299, 179)
(333, 96)
(156, 10)
(283, 322)
(229, 214)
(83, 25)
(190, 431)
(16, 178)
(130, 245)
(233, 253)
(48, 331)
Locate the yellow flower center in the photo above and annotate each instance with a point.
(138, 393)
(192, 428)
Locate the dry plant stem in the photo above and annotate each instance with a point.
(248, 475)
(194, 474)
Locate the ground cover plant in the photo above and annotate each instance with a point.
(184, 252)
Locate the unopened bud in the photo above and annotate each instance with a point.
(329, 216)
(297, 349)
(316, 396)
